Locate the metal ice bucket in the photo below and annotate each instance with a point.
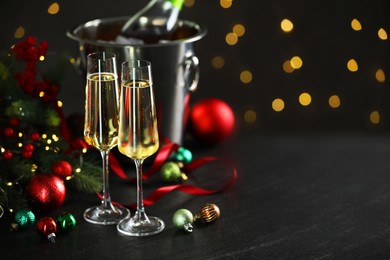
(175, 68)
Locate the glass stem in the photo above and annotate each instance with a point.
(140, 213)
(106, 200)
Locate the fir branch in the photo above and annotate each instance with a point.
(33, 112)
(89, 179)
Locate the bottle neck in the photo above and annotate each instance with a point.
(177, 3)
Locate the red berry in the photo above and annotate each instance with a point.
(14, 121)
(8, 154)
(34, 136)
(28, 147)
(26, 154)
(9, 132)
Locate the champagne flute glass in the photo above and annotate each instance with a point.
(138, 138)
(101, 128)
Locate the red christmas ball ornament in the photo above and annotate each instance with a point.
(8, 155)
(28, 147)
(211, 120)
(14, 121)
(46, 192)
(35, 136)
(47, 228)
(62, 169)
(26, 154)
(9, 132)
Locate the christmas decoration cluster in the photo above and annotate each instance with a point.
(39, 158)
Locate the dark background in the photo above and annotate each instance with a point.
(322, 196)
(322, 37)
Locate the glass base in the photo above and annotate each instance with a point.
(100, 216)
(137, 227)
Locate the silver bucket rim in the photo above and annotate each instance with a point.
(72, 33)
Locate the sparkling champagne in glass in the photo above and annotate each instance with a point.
(101, 128)
(138, 138)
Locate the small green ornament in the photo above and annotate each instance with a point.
(183, 219)
(66, 222)
(183, 155)
(24, 219)
(170, 171)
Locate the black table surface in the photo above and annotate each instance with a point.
(296, 197)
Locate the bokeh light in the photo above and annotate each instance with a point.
(239, 30)
(296, 62)
(19, 32)
(287, 67)
(375, 117)
(189, 3)
(352, 65)
(278, 104)
(231, 38)
(250, 116)
(286, 25)
(54, 8)
(356, 25)
(382, 34)
(334, 101)
(246, 76)
(380, 76)
(305, 99)
(226, 3)
(218, 62)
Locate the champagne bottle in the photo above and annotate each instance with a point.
(155, 21)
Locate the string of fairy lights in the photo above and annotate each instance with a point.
(289, 66)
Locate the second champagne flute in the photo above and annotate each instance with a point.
(101, 128)
(138, 138)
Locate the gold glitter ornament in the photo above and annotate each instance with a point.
(208, 213)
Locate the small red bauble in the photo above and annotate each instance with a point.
(211, 120)
(62, 169)
(34, 136)
(8, 154)
(46, 192)
(9, 132)
(26, 154)
(47, 227)
(14, 121)
(28, 147)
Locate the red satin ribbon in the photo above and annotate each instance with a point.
(160, 159)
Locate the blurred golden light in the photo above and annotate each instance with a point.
(352, 65)
(250, 116)
(226, 3)
(41, 94)
(375, 117)
(305, 99)
(72, 61)
(380, 76)
(287, 67)
(334, 101)
(246, 76)
(239, 30)
(355, 24)
(41, 58)
(19, 33)
(382, 34)
(59, 103)
(231, 38)
(218, 62)
(296, 62)
(54, 8)
(189, 3)
(286, 25)
(278, 104)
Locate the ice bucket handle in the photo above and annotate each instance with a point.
(191, 72)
